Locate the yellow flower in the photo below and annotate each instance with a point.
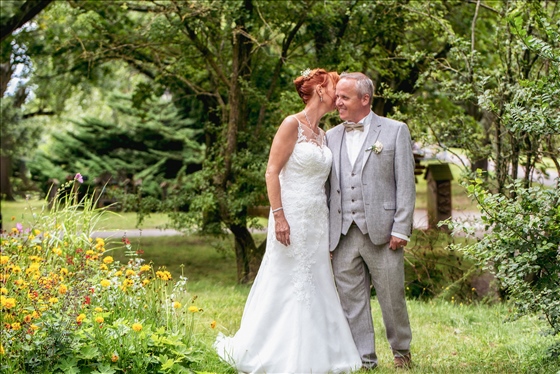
(213, 324)
(145, 268)
(53, 300)
(137, 327)
(64, 271)
(98, 309)
(90, 252)
(105, 283)
(163, 275)
(38, 247)
(16, 269)
(193, 309)
(16, 326)
(103, 267)
(108, 260)
(130, 272)
(4, 260)
(3, 291)
(33, 268)
(15, 230)
(80, 318)
(2, 351)
(99, 319)
(62, 289)
(27, 318)
(118, 273)
(35, 314)
(34, 327)
(57, 251)
(7, 302)
(36, 232)
(176, 304)
(115, 357)
(145, 282)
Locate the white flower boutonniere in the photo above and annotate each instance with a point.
(376, 148)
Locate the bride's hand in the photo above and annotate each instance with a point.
(282, 229)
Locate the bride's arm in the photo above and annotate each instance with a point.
(280, 151)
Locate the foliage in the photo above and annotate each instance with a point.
(68, 306)
(143, 147)
(521, 246)
(496, 90)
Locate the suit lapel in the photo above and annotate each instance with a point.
(338, 132)
(373, 134)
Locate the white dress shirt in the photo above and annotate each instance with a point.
(355, 139)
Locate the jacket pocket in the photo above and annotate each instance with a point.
(389, 206)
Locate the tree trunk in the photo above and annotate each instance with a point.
(5, 174)
(247, 254)
(24, 14)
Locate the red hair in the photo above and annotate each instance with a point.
(305, 85)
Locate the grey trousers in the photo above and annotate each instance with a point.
(358, 263)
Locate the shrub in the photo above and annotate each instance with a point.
(521, 246)
(67, 306)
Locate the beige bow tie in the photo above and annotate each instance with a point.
(351, 126)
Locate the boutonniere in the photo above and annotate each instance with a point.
(376, 148)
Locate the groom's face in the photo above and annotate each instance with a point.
(350, 106)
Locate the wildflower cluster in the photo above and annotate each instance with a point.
(66, 304)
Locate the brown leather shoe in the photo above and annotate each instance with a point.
(403, 361)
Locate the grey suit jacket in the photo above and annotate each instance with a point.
(388, 186)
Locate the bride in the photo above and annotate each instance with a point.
(293, 321)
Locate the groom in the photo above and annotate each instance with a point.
(371, 201)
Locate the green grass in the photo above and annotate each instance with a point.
(22, 211)
(447, 337)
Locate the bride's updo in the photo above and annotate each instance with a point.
(306, 83)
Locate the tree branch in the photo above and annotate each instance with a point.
(25, 13)
(40, 112)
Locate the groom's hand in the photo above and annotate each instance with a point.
(397, 243)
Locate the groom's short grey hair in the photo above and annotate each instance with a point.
(364, 85)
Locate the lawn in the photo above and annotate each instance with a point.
(23, 210)
(448, 337)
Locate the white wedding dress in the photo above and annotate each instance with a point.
(293, 321)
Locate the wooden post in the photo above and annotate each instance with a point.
(439, 179)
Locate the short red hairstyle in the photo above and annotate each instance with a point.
(305, 84)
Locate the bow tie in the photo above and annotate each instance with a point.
(351, 126)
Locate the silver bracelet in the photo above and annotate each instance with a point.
(277, 209)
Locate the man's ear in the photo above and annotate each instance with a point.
(365, 100)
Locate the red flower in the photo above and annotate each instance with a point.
(88, 300)
(139, 252)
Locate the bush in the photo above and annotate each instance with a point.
(67, 306)
(521, 246)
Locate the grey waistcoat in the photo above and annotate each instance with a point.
(351, 191)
